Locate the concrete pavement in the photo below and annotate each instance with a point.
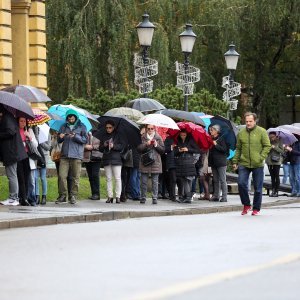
(95, 211)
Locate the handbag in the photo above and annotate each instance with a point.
(32, 152)
(41, 163)
(56, 152)
(125, 155)
(148, 158)
(275, 157)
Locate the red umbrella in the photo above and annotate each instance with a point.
(201, 137)
(162, 131)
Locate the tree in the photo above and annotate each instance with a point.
(91, 44)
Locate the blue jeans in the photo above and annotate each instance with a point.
(134, 182)
(286, 173)
(258, 180)
(295, 178)
(41, 173)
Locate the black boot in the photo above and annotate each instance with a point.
(43, 202)
(37, 199)
(24, 202)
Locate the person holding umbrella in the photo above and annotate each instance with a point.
(185, 165)
(73, 136)
(217, 160)
(111, 145)
(11, 152)
(274, 161)
(151, 143)
(294, 157)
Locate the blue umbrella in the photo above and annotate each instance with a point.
(61, 111)
(228, 130)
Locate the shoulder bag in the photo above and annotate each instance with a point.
(148, 158)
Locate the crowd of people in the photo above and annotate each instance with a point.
(175, 164)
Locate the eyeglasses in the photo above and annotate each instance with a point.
(150, 128)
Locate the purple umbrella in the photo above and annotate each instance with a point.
(286, 136)
(16, 105)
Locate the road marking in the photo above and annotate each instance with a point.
(194, 284)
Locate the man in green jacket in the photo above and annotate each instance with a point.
(253, 146)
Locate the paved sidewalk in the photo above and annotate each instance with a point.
(95, 211)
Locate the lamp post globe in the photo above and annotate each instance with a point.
(187, 39)
(145, 30)
(231, 59)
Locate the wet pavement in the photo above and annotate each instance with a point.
(95, 211)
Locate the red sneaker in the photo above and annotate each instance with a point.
(255, 213)
(246, 209)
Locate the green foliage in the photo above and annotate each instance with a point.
(91, 44)
(84, 190)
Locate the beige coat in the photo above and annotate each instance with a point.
(156, 167)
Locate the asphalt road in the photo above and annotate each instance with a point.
(214, 256)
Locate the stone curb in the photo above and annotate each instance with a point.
(119, 215)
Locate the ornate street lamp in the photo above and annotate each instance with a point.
(145, 30)
(233, 89)
(231, 58)
(187, 41)
(145, 67)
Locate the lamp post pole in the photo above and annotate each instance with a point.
(232, 88)
(187, 41)
(186, 67)
(145, 30)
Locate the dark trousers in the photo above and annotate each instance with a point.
(163, 185)
(186, 185)
(258, 180)
(23, 173)
(125, 177)
(274, 173)
(171, 182)
(93, 171)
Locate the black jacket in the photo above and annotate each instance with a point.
(184, 161)
(169, 154)
(112, 156)
(12, 149)
(218, 154)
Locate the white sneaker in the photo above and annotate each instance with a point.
(13, 202)
(5, 202)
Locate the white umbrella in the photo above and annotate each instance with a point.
(43, 133)
(291, 129)
(158, 120)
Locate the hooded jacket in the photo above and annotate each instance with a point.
(252, 147)
(73, 147)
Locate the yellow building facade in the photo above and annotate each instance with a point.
(23, 43)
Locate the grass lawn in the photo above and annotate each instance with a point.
(84, 188)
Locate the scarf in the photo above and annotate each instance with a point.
(150, 136)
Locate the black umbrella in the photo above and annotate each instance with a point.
(144, 104)
(128, 129)
(28, 93)
(16, 105)
(229, 130)
(182, 115)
